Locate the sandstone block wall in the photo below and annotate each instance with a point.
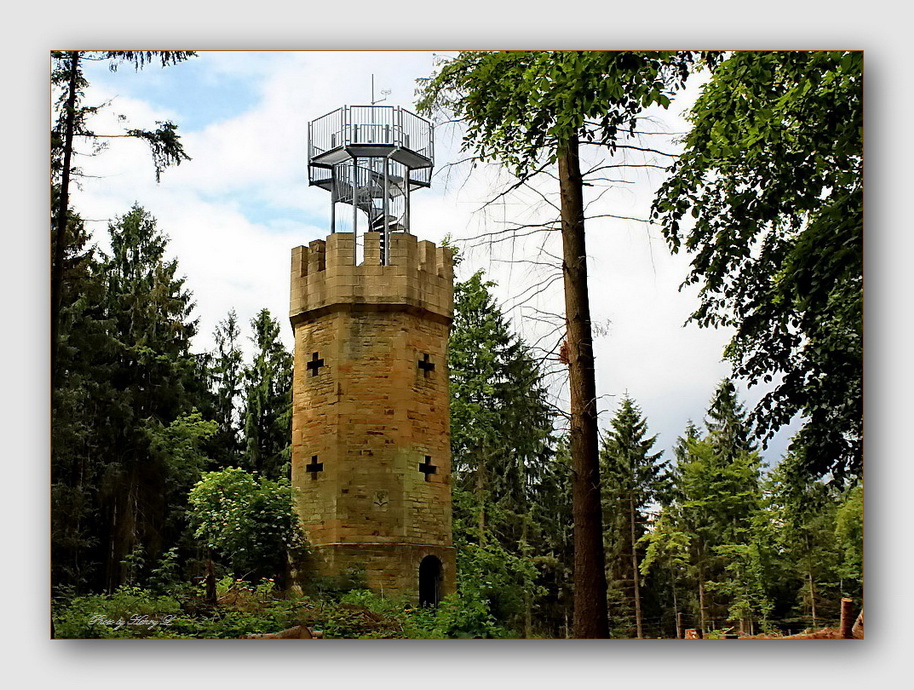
(370, 408)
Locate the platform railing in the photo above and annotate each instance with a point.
(367, 125)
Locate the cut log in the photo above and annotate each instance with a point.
(857, 630)
(299, 632)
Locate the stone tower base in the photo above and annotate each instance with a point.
(393, 573)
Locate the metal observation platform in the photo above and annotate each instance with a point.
(371, 157)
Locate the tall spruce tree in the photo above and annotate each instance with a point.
(124, 436)
(726, 422)
(709, 523)
(151, 371)
(226, 380)
(633, 480)
(268, 401)
(501, 427)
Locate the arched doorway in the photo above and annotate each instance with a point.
(430, 581)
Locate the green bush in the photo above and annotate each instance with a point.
(248, 519)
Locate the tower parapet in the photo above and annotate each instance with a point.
(325, 276)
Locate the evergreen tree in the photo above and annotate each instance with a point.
(633, 481)
(727, 424)
(710, 520)
(553, 545)
(79, 418)
(501, 429)
(151, 371)
(226, 379)
(124, 400)
(268, 401)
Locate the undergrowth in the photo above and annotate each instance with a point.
(243, 608)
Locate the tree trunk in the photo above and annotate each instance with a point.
(635, 579)
(210, 581)
(481, 498)
(812, 600)
(702, 615)
(676, 611)
(63, 205)
(528, 595)
(590, 611)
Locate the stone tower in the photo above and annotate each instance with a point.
(370, 426)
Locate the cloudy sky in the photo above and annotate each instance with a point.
(235, 210)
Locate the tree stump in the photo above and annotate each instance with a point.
(847, 615)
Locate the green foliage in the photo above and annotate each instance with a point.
(632, 480)
(805, 514)
(707, 535)
(179, 447)
(249, 520)
(165, 577)
(501, 438)
(126, 438)
(743, 584)
(225, 374)
(520, 106)
(768, 198)
(849, 537)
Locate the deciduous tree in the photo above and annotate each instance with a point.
(767, 197)
(529, 110)
(249, 520)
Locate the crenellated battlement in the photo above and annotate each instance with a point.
(325, 275)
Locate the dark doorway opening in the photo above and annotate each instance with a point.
(430, 581)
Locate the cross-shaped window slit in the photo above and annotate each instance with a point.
(314, 467)
(425, 365)
(315, 364)
(427, 468)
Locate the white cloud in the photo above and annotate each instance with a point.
(236, 210)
